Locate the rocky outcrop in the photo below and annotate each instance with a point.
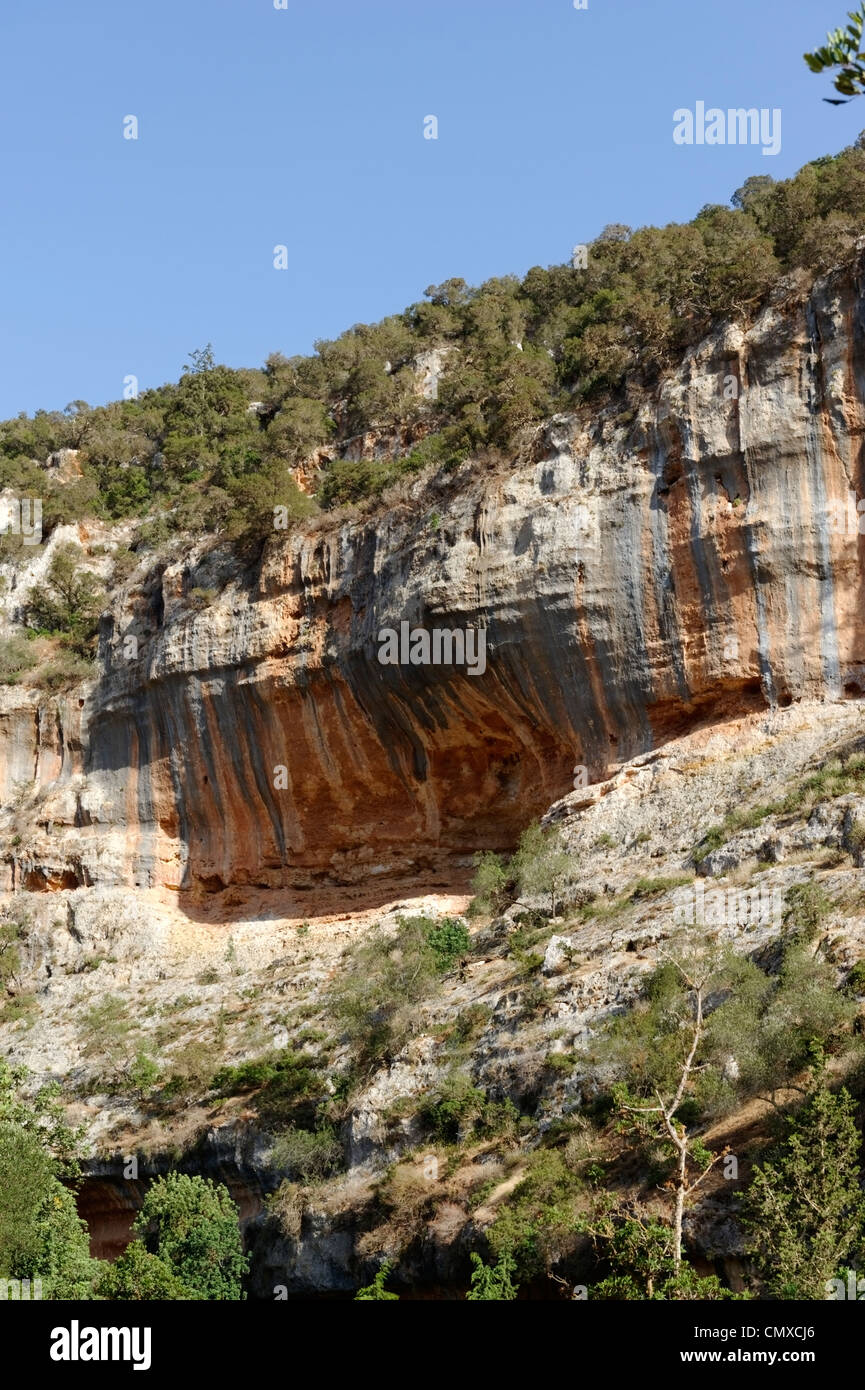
(700, 553)
(108, 975)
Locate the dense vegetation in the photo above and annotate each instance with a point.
(595, 1202)
(217, 452)
(187, 1242)
(592, 1196)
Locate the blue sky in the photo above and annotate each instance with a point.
(304, 127)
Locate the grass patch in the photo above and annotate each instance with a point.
(288, 1089)
(650, 887)
(838, 777)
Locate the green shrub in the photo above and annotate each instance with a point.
(136, 1274)
(19, 1006)
(191, 1224)
(469, 1023)
(384, 979)
(536, 1222)
(735, 821)
(804, 1207)
(307, 1154)
(376, 1291)
(17, 655)
(67, 604)
(493, 1282)
(807, 908)
(66, 669)
(288, 1087)
(651, 887)
(855, 982)
(856, 836)
(490, 883)
(105, 1030)
(246, 1076)
(347, 481)
(449, 940)
(143, 1074)
(457, 1111)
(529, 962)
(563, 1062)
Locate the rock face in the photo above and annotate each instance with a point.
(194, 998)
(632, 573)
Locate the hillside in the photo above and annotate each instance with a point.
(395, 947)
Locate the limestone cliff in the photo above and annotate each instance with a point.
(632, 572)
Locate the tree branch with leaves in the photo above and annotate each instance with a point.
(843, 50)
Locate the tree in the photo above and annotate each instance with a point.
(760, 1034)
(614, 231)
(191, 1224)
(842, 50)
(209, 406)
(493, 1282)
(10, 956)
(200, 360)
(41, 1234)
(541, 863)
(77, 416)
(42, 1115)
(490, 882)
(693, 1161)
(301, 426)
(740, 263)
(69, 604)
(640, 1253)
(452, 293)
(25, 1180)
(137, 1274)
(62, 1260)
(804, 1208)
(261, 499)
